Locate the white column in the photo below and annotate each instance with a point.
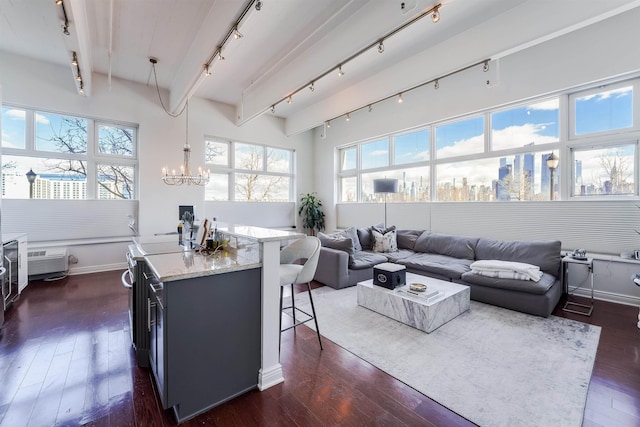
(270, 371)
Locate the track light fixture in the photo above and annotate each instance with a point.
(485, 67)
(65, 18)
(380, 47)
(340, 72)
(258, 5)
(220, 57)
(207, 71)
(74, 60)
(435, 16)
(328, 123)
(237, 34)
(58, 1)
(273, 108)
(81, 88)
(289, 100)
(436, 85)
(312, 87)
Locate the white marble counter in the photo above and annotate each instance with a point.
(189, 264)
(258, 234)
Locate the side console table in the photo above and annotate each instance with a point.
(570, 306)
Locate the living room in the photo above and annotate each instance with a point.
(594, 51)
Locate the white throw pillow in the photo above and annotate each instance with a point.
(386, 242)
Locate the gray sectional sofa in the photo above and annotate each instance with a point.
(349, 259)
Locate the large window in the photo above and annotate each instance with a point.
(71, 157)
(248, 172)
(502, 154)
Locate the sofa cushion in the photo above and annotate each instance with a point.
(364, 235)
(544, 254)
(407, 238)
(442, 265)
(446, 244)
(399, 254)
(334, 240)
(540, 287)
(365, 259)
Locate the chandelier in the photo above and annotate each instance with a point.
(185, 177)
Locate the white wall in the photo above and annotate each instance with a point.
(32, 84)
(597, 53)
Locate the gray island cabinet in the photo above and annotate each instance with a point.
(205, 328)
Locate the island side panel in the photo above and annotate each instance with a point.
(213, 339)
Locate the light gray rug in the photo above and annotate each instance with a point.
(493, 366)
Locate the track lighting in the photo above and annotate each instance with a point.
(400, 98)
(380, 47)
(436, 84)
(340, 72)
(311, 87)
(81, 88)
(370, 108)
(258, 5)
(485, 67)
(78, 77)
(58, 2)
(220, 57)
(435, 16)
(348, 117)
(328, 123)
(237, 34)
(207, 71)
(289, 100)
(74, 61)
(273, 108)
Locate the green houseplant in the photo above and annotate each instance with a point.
(311, 212)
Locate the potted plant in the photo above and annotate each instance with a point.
(311, 212)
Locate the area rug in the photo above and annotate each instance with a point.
(493, 366)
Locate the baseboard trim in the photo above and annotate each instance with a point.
(270, 377)
(97, 268)
(609, 296)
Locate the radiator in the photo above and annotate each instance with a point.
(48, 260)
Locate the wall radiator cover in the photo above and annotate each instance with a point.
(48, 260)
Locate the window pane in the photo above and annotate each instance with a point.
(349, 189)
(411, 147)
(60, 134)
(249, 157)
(116, 140)
(216, 153)
(367, 186)
(278, 160)
(218, 187)
(519, 177)
(13, 127)
(115, 182)
(375, 154)
(524, 126)
(348, 159)
(604, 171)
(262, 188)
(460, 138)
(604, 111)
(55, 178)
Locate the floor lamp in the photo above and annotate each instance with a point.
(385, 186)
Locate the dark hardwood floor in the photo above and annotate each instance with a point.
(66, 360)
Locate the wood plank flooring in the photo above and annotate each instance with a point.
(66, 360)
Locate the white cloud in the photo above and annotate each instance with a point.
(15, 114)
(615, 93)
(552, 104)
(42, 119)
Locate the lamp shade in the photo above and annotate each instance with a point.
(385, 185)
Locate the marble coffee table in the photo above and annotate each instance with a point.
(416, 309)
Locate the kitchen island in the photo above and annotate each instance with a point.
(214, 320)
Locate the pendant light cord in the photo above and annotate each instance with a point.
(155, 78)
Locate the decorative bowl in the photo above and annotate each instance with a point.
(418, 287)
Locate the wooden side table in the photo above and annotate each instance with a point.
(571, 306)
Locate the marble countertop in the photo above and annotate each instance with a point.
(258, 234)
(190, 264)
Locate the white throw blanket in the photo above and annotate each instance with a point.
(507, 269)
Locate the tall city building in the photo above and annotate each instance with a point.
(545, 174)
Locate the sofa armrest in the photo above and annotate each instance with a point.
(333, 268)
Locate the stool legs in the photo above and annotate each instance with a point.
(313, 310)
(293, 307)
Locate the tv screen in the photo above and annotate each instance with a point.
(186, 208)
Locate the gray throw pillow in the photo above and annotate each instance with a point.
(338, 242)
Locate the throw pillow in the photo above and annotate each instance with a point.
(338, 242)
(385, 242)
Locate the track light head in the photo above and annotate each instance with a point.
(258, 5)
(207, 71)
(370, 108)
(220, 57)
(312, 87)
(65, 29)
(289, 100)
(485, 67)
(58, 1)
(381, 46)
(273, 108)
(348, 117)
(74, 60)
(435, 16)
(436, 84)
(237, 34)
(340, 72)
(399, 98)
(328, 123)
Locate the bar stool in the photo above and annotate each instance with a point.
(308, 250)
